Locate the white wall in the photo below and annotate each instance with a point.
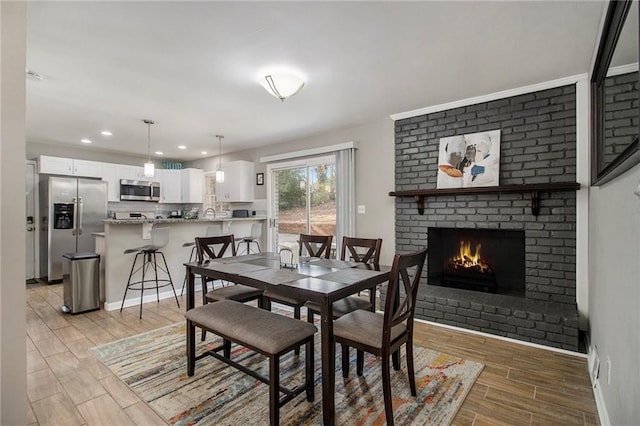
(13, 393)
(614, 294)
(374, 175)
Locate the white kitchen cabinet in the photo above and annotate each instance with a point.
(192, 181)
(87, 168)
(69, 167)
(129, 172)
(109, 174)
(238, 182)
(170, 185)
(55, 165)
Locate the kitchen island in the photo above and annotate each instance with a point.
(123, 234)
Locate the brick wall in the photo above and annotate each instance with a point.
(621, 114)
(538, 145)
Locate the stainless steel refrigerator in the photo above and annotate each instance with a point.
(72, 209)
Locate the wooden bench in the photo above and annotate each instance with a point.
(262, 331)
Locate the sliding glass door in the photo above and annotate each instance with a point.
(302, 199)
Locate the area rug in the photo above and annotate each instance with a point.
(153, 365)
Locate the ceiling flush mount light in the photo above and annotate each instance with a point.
(159, 153)
(85, 140)
(149, 167)
(106, 133)
(182, 147)
(219, 172)
(282, 85)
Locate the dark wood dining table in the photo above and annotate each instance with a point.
(314, 279)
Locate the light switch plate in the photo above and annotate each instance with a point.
(361, 209)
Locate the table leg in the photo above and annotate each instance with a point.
(328, 363)
(190, 289)
(372, 297)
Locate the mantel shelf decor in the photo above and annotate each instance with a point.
(534, 188)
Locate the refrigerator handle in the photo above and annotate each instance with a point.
(80, 214)
(75, 216)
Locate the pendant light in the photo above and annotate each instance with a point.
(219, 172)
(148, 166)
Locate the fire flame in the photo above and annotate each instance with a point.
(469, 259)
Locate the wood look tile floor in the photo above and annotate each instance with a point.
(66, 385)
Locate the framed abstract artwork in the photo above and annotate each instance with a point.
(470, 160)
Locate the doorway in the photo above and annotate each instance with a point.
(302, 199)
(30, 224)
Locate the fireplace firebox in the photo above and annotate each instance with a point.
(487, 260)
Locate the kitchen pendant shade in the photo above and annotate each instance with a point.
(149, 170)
(219, 176)
(219, 172)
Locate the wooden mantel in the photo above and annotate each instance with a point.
(534, 188)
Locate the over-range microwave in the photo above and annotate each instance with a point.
(139, 190)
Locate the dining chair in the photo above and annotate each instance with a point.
(383, 334)
(212, 231)
(215, 248)
(362, 250)
(316, 246)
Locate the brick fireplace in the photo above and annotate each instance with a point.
(538, 146)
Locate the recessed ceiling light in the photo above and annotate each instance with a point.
(85, 140)
(159, 153)
(182, 147)
(204, 153)
(106, 133)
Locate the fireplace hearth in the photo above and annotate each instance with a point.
(485, 260)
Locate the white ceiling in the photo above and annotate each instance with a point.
(193, 67)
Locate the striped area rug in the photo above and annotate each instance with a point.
(153, 365)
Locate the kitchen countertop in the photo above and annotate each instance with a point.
(180, 220)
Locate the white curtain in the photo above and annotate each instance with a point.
(345, 194)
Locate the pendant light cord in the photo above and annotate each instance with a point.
(148, 123)
(219, 151)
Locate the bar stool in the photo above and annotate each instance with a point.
(254, 238)
(159, 239)
(212, 231)
(191, 244)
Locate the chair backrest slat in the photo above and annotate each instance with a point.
(400, 304)
(372, 255)
(316, 245)
(214, 247)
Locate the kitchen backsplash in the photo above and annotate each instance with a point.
(159, 209)
(165, 209)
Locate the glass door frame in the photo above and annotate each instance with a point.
(271, 207)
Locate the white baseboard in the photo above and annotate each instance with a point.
(603, 414)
